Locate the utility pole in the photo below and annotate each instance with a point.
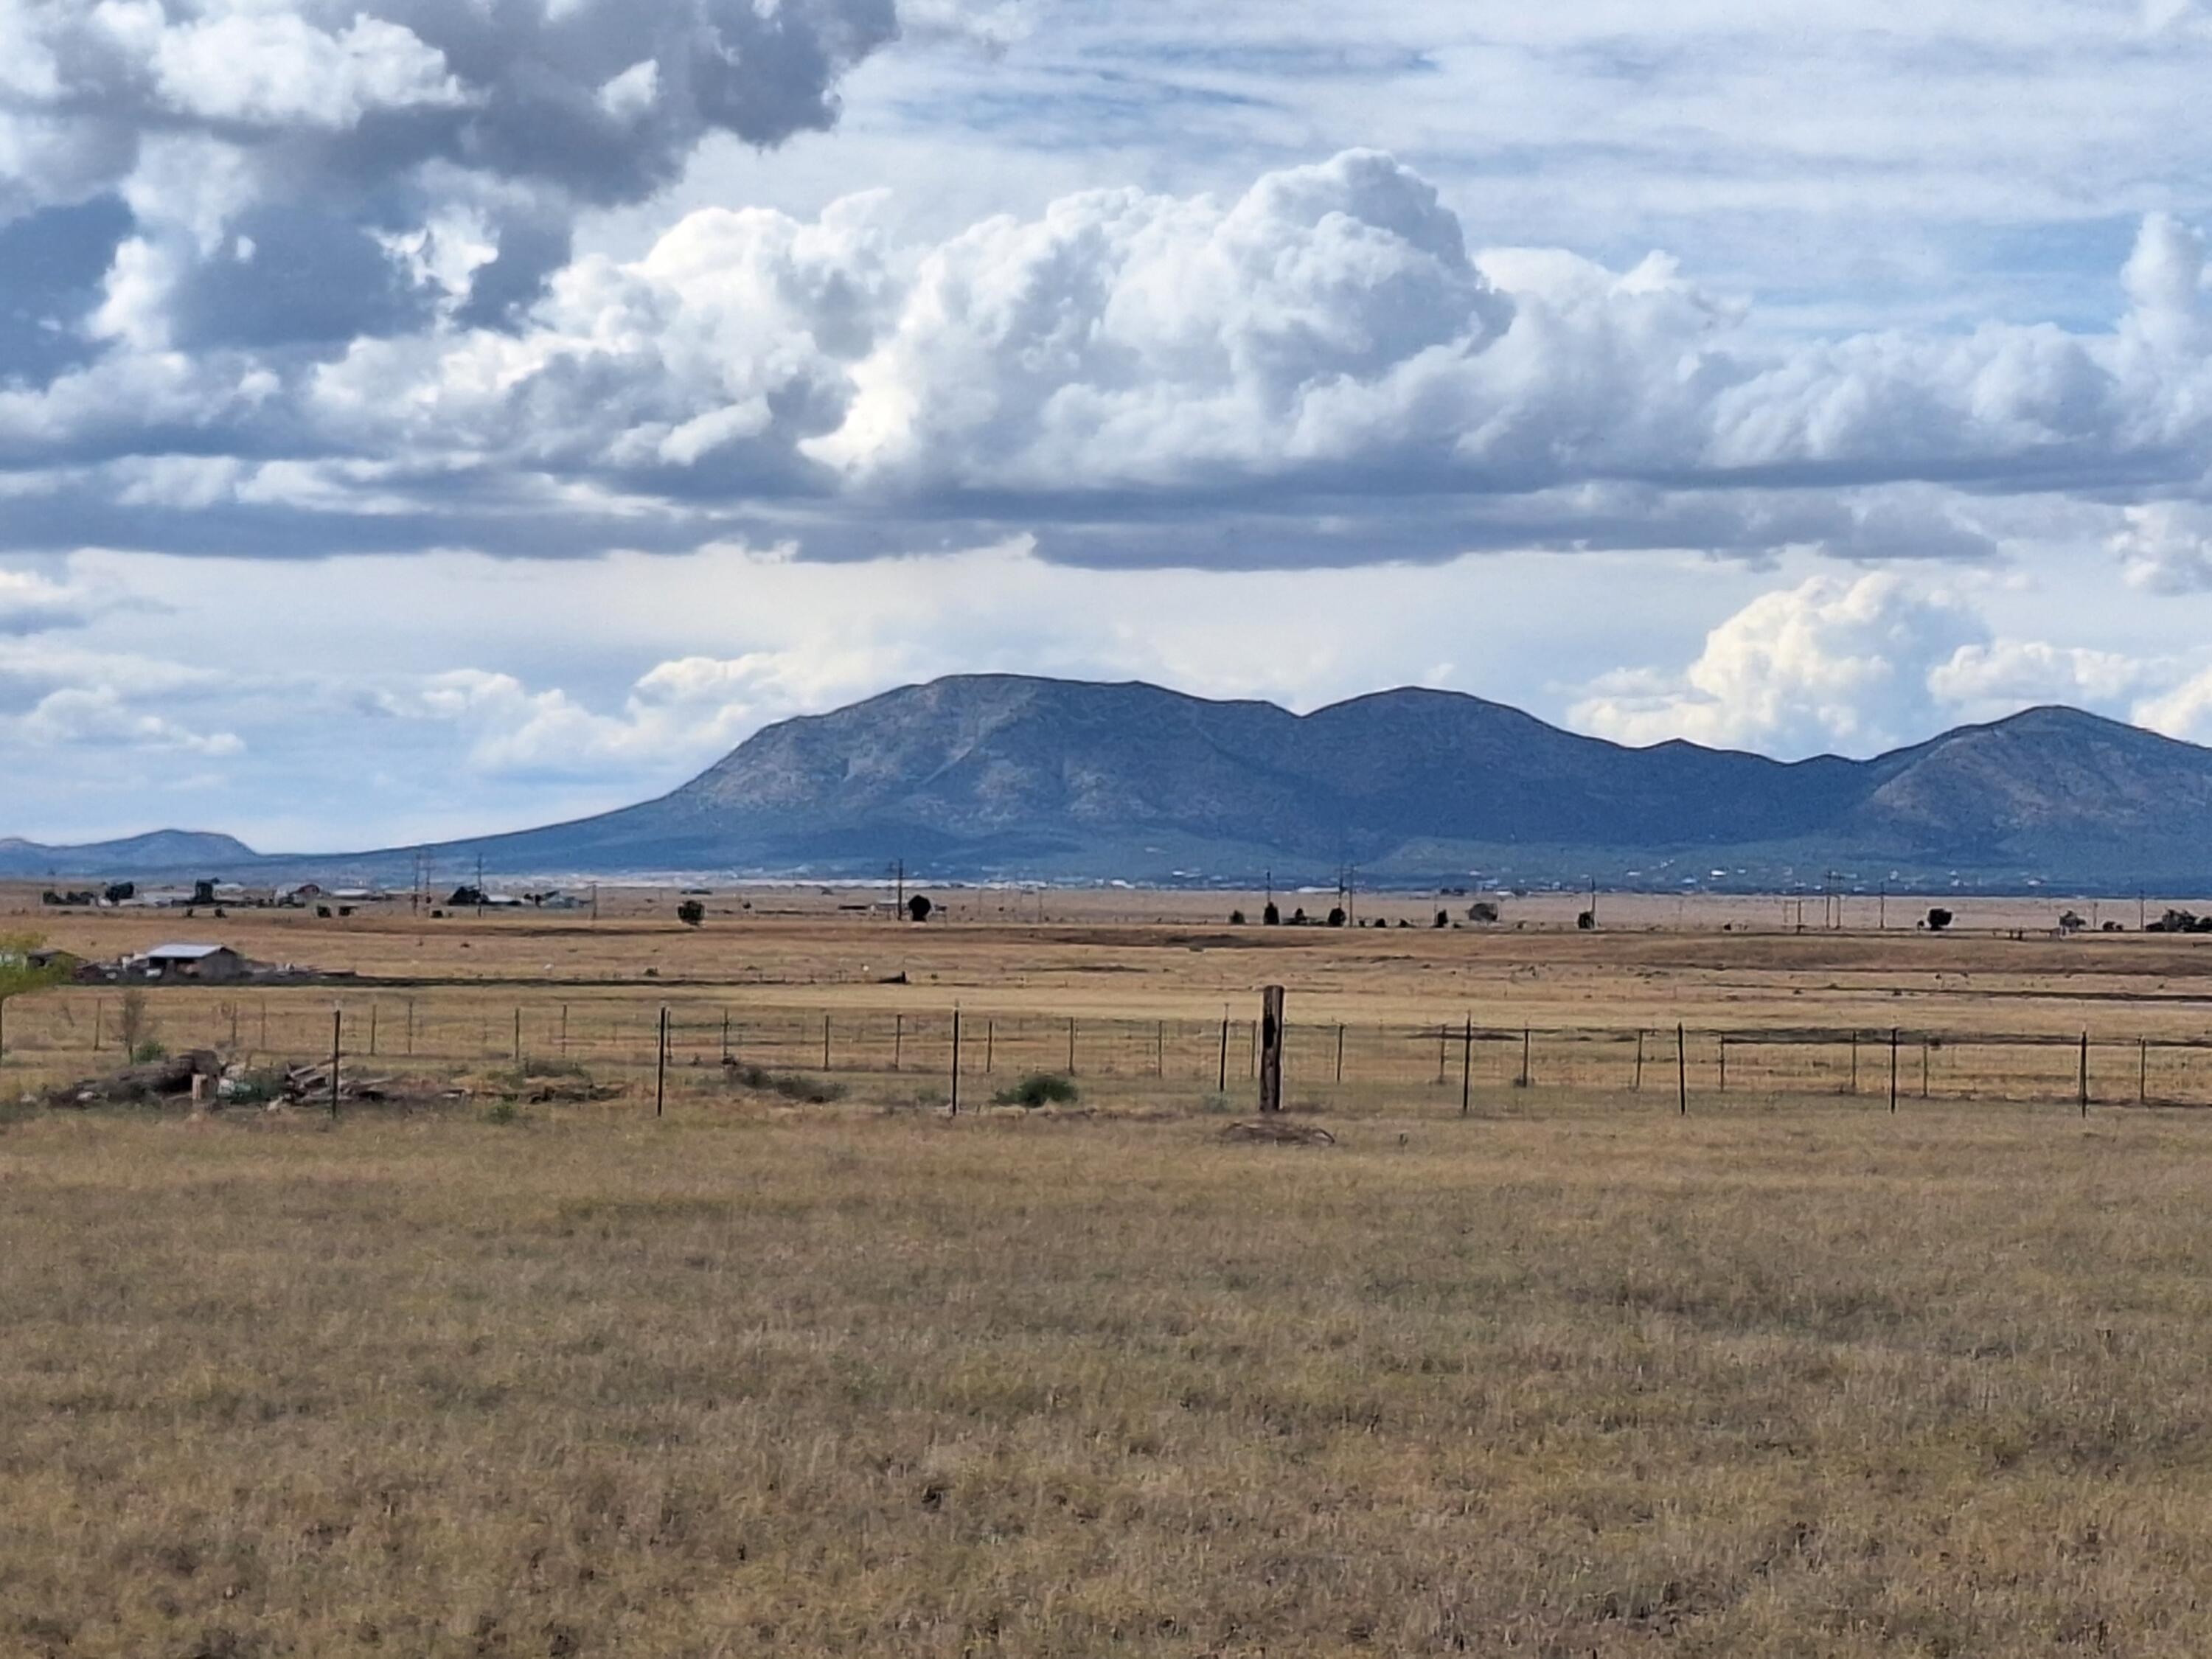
(898, 871)
(480, 892)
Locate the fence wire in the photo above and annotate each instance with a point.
(56, 1035)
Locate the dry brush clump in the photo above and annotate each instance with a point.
(1804, 1381)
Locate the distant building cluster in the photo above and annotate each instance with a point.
(177, 964)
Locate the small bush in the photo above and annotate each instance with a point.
(254, 1089)
(149, 1051)
(804, 1090)
(1217, 1105)
(1040, 1089)
(502, 1111)
(533, 1066)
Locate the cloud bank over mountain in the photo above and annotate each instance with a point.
(1274, 349)
(339, 314)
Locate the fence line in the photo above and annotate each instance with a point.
(80, 1030)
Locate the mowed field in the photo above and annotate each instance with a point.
(1572, 1374)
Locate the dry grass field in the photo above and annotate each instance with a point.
(1571, 1375)
(1601, 1382)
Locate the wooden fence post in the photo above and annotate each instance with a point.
(1340, 1054)
(2085, 1074)
(1271, 1048)
(898, 1040)
(1682, 1069)
(1892, 1071)
(1636, 1088)
(956, 1060)
(660, 1067)
(1466, 1065)
(1222, 1086)
(1524, 1056)
(338, 1049)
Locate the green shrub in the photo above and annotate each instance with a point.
(149, 1051)
(254, 1089)
(502, 1111)
(1039, 1089)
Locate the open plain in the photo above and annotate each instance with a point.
(806, 1364)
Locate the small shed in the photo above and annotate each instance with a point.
(210, 964)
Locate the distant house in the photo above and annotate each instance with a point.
(209, 964)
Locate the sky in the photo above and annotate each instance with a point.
(424, 418)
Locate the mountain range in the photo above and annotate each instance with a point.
(996, 777)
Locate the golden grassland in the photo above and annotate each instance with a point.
(1601, 1381)
(1571, 1376)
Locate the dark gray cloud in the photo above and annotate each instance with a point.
(52, 262)
(323, 129)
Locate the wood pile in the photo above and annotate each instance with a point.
(168, 1078)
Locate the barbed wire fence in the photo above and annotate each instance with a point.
(1446, 1063)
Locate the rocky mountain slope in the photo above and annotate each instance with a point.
(981, 776)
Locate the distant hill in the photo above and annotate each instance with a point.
(1003, 776)
(158, 854)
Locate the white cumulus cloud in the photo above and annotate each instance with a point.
(1858, 666)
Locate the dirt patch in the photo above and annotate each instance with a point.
(1277, 1131)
